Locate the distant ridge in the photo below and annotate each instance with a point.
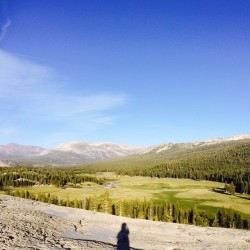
(79, 152)
(172, 152)
(14, 151)
(164, 147)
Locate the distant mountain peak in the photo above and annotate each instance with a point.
(67, 146)
(77, 152)
(14, 151)
(78, 145)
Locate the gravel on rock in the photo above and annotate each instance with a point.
(27, 224)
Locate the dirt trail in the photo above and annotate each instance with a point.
(26, 224)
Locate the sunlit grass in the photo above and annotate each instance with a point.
(187, 193)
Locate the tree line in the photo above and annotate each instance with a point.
(145, 209)
(230, 166)
(29, 176)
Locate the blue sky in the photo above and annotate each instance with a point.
(135, 72)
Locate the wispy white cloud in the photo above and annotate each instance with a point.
(7, 131)
(5, 22)
(4, 29)
(19, 76)
(67, 106)
(33, 94)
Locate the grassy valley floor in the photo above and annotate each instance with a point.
(200, 195)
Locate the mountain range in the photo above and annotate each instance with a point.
(14, 151)
(78, 152)
(70, 153)
(180, 152)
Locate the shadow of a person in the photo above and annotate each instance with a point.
(122, 238)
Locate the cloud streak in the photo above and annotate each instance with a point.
(4, 29)
(5, 21)
(7, 131)
(33, 94)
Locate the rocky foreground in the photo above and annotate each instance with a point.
(26, 224)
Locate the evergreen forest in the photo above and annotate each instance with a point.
(230, 166)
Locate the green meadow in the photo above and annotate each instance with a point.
(187, 193)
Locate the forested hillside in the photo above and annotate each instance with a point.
(227, 162)
(170, 152)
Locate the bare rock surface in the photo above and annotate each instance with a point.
(26, 224)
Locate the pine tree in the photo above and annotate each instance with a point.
(105, 202)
